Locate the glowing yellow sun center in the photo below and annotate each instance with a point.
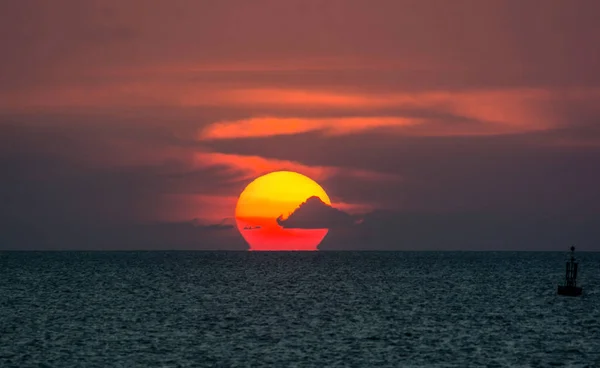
(277, 193)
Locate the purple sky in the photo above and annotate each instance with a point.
(478, 121)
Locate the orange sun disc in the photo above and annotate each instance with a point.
(269, 197)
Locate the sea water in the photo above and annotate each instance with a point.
(313, 309)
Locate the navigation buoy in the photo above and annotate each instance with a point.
(570, 287)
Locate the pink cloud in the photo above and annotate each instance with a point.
(250, 167)
(272, 126)
(491, 112)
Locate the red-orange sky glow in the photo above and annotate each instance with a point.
(118, 116)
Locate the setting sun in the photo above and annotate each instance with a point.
(272, 196)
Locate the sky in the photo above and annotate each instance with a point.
(450, 125)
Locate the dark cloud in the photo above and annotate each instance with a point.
(315, 214)
(225, 224)
(68, 187)
(522, 172)
(386, 230)
(75, 174)
(102, 182)
(152, 236)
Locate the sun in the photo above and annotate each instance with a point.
(269, 197)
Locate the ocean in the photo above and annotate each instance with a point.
(305, 309)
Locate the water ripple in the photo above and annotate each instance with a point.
(239, 309)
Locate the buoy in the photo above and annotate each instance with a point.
(570, 287)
